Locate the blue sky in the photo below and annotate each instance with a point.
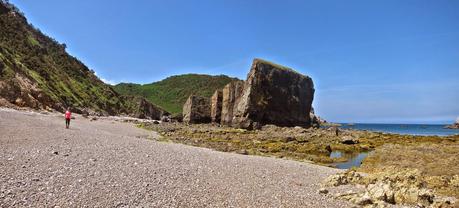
(371, 61)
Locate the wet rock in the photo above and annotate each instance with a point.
(349, 140)
(230, 99)
(274, 94)
(196, 110)
(323, 191)
(216, 106)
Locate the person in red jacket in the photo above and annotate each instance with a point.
(68, 116)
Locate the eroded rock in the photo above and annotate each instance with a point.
(274, 94)
(231, 94)
(390, 187)
(216, 106)
(196, 110)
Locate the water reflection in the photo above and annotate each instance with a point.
(352, 160)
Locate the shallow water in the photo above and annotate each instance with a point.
(354, 160)
(411, 129)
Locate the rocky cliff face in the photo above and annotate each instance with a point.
(276, 95)
(37, 72)
(143, 109)
(196, 110)
(216, 106)
(231, 94)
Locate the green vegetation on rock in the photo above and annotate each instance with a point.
(171, 93)
(37, 72)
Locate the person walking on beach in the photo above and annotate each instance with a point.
(68, 116)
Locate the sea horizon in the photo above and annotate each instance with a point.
(403, 129)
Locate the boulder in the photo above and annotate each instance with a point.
(216, 106)
(274, 94)
(231, 94)
(196, 110)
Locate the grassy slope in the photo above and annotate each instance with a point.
(26, 51)
(171, 93)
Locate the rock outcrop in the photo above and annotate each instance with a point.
(145, 110)
(36, 72)
(274, 94)
(395, 186)
(231, 94)
(454, 126)
(216, 106)
(196, 110)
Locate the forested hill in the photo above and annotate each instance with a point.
(172, 92)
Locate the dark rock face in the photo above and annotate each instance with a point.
(196, 110)
(231, 94)
(146, 110)
(276, 95)
(216, 106)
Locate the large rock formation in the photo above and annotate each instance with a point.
(196, 110)
(274, 94)
(231, 94)
(455, 125)
(144, 109)
(216, 106)
(37, 72)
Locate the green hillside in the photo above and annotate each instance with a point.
(171, 93)
(37, 72)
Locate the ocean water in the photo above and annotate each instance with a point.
(352, 160)
(412, 129)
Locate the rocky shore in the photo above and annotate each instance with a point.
(433, 158)
(105, 163)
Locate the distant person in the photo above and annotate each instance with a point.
(68, 116)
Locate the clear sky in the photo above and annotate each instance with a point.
(371, 61)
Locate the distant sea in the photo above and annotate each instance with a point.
(412, 129)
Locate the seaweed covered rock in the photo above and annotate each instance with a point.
(231, 94)
(216, 106)
(196, 110)
(274, 94)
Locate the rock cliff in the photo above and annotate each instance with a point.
(231, 94)
(274, 94)
(196, 110)
(216, 106)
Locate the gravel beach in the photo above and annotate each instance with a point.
(106, 163)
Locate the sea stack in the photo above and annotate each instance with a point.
(455, 125)
(231, 94)
(216, 106)
(196, 110)
(274, 94)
